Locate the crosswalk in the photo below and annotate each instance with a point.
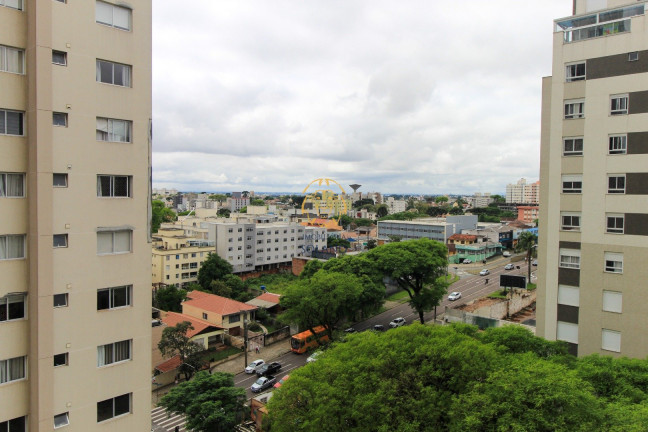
(164, 421)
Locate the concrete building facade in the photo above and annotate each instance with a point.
(438, 229)
(594, 177)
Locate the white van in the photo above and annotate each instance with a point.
(506, 254)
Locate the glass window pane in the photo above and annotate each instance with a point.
(122, 404)
(61, 420)
(121, 186)
(15, 246)
(15, 307)
(14, 123)
(119, 131)
(119, 75)
(104, 410)
(14, 185)
(103, 299)
(121, 296)
(121, 18)
(14, 60)
(104, 243)
(3, 63)
(18, 424)
(122, 241)
(59, 180)
(102, 129)
(103, 13)
(103, 186)
(105, 72)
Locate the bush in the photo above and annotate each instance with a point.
(254, 327)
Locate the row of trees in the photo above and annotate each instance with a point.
(454, 378)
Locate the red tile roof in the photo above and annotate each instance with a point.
(217, 304)
(464, 237)
(270, 297)
(173, 318)
(169, 365)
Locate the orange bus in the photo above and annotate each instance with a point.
(304, 341)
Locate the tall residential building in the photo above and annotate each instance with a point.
(523, 192)
(75, 295)
(594, 174)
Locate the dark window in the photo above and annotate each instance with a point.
(59, 360)
(59, 58)
(114, 407)
(15, 425)
(110, 298)
(60, 240)
(60, 300)
(11, 122)
(60, 180)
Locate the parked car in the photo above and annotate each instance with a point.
(263, 383)
(379, 327)
(313, 357)
(281, 381)
(466, 261)
(350, 330)
(484, 272)
(506, 254)
(455, 295)
(509, 266)
(535, 263)
(252, 367)
(397, 322)
(268, 369)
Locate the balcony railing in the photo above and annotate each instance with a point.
(600, 24)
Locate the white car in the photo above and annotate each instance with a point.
(509, 267)
(466, 261)
(506, 254)
(252, 367)
(456, 295)
(484, 272)
(397, 322)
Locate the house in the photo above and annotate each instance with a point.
(220, 311)
(268, 301)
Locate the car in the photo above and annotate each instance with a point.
(263, 383)
(313, 357)
(455, 295)
(506, 254)
(397, 322)
(484, 272)
(466, 261)
(281, 381)
(350, 330)
(509, 266)
(379, 327)
(268, 369)
(252, 367)
(534, 263)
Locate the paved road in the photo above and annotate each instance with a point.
(288, 362)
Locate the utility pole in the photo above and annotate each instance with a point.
(245, 337)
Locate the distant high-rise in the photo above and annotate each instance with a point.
(594, 175)
(523, 192)
(75, 294)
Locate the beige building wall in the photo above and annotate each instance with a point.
(77, 270)
(595, 309)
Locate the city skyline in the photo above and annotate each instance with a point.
(431, 98)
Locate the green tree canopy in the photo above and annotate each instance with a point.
(210, 403)
(169, 298)
(257, 202)
(358, 204)
(224, 212)
(382, 210)
(175, 341)
(499, 199)
(160, 213)
(527, 242)
(213, 268)
(336, 241)
(441, 199)
(418, 267)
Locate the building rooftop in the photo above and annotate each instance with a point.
(173, 318)
(213, 303)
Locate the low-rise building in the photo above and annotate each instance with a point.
(220, 311)
(176, 258)
(439, 229)
(528, 214)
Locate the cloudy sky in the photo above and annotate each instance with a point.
(405, 96)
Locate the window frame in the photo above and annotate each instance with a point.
(66, 421)
(619, 104)
(112, 179)
(569, 263)
(64, 175)
(573, 140)
(24, 246)
(4, 112)
(568, 73)
(613, 262)
(113, 233)
(613, 297)
(615, 229)
(572, 179)
(62, 115)
(60, 305)
(570, 105)
(127, 73)
(60, 237)
(571, 226)
(113, 403)
(18, 423)
(3, 3)
(633, 56)
(111, 297)
(4, 363)
(110, 127)
(617, 144)
(5, 303)
(113, 8)
(101, 356)
(4, 50)
(4, 175)
(66, 359)
(610, 347)
(63, 54)
(616, 189)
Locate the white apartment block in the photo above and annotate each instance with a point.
(177, 258)
(594, 174)
(480, 200)
(523, 192)
(75, 297)
(438, 229)
(395, 206)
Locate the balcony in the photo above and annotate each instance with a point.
(605, 23)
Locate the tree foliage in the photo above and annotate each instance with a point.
(160, 213)
(213, 268)
(417, 266)
(224, 212)
(527, 242)
(210, 403)
(175, 341)
(336, 241)
(169, 298)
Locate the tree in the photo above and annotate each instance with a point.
(441, 199)
(175, 341)
(257, 202)
(169, 298)
(382, 210)
(418, 267)
(358, 204)
(499, 199)
(344, 220)
(210, 403)
(243, 209)
(456, 211)
(213, 268)
(223, 212)
(220, 288)
(218, 197)
(436, 211)
(371, 244)
(160, 213)
(336, 241)
(527, 242)
(516, 339)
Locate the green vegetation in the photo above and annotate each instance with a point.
(214, 356)
(455, 378)
(406, 215)
(160, 213)
(531, 286)
(274, 283)
(527, 242)
(169, 298)
(211, 403)
(499, 294)
(213, 268)
(400, 296)
(336, 241)
(175, 341)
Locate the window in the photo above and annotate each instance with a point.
(60, 359)
(570, 221)
(12, 369)
(60, 300)
(612, 301)
(60, 180)
(18, 424)
(611, 340)
(14, 4)
(616, 184)
(114, 130)
(613, 262)
(570, 258)
(572, 184)
(114, 242)
(115, 297)
(114, 186)
(113, 73)
(618, 144)
(12, 60)
(11, 122)
(60, 241)
(573, 146)
(113, 353)
(575, 72)
(59, 119)
(234, 318)
(568, 295)
(567, 332)
(12, 307)
(12, 247)
(574, 109)
(633, 56)
(12, 185)
(113, 407)
(614, 223)
(61, 420)
(204, 315)
(113, 15)
(619, 104)
(59, 58)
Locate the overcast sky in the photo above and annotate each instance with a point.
(398, 96)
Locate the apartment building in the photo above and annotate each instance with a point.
(177, 258)
(395, 206)
(523, 192)
(439, 229)
(594, 176)
(75, 294)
